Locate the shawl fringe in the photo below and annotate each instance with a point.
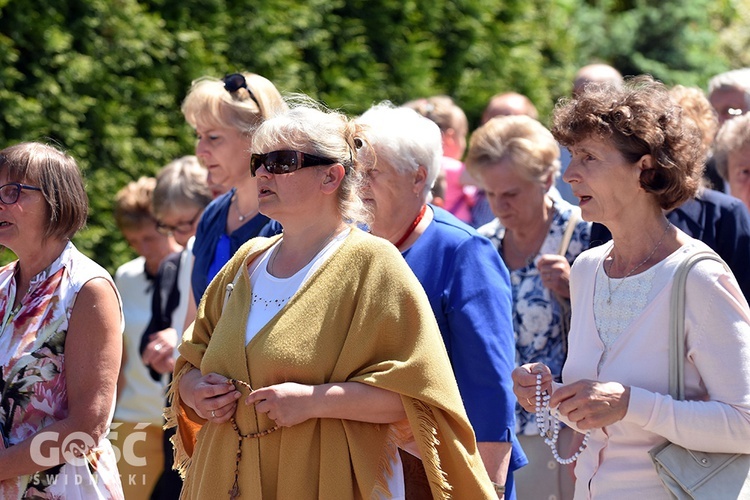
(430, 457)
(183, 441)
(385, 471)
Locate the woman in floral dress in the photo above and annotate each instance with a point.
(517, 160)
(60, 344)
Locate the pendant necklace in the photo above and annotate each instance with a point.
(241, 217)
(412, 227)
(609, 281)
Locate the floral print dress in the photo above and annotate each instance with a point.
(536, 313)
(33, 392)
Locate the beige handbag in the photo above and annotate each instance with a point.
(688, 474)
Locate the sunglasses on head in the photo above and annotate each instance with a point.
(284, 162)
(237, 81)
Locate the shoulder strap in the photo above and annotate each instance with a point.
(677, 322)
(575, 216)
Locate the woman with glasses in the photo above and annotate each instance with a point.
(225, 114)
(60, 342)
(315, 355)
(179, 198)
(140, 397)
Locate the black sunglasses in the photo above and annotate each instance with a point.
(284, 162)
(10, 192)
(235, 82)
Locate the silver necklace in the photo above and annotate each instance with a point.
(609, 281)
(240, 216)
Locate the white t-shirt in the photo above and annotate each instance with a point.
(142, 398)
(270, 294)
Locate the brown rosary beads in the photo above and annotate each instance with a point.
(234, 493)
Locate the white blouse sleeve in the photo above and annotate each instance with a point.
(716, 418)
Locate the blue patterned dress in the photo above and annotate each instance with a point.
(536, 314)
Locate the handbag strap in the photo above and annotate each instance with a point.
(677, 322)
(575, 216)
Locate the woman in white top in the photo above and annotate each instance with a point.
(634, 158)
(315, 355)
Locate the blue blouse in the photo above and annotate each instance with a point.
(536, 313)
(469, 291)
(211, 230)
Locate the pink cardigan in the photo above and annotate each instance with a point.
(616, 464)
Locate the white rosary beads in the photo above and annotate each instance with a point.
(549, 425)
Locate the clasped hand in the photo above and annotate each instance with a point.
(588, 404)
(215, 398)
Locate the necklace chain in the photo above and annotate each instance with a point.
(609, 280)
(549, 425)
(240, 216)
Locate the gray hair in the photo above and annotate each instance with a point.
(181, 182)
(733, 135)
(405, 139)
(737, 78)
(311, 128)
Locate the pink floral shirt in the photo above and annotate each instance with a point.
(33, 392)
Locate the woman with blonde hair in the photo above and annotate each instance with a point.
(225, 113)
(517, 160)
(315, 355)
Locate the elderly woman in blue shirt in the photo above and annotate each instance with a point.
(465, 279)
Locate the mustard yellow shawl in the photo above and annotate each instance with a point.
(363, 317)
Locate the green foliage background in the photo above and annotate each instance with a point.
(104, 79)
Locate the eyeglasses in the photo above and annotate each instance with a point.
(181, 227)
(284, 162)
(235, 82)
(10, 192)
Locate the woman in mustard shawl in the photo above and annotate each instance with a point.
(315, 356)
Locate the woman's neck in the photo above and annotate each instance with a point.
(393, 228)
(523, 243)
(243, 206)
(638, 246)
(301, 243)
(32, 263)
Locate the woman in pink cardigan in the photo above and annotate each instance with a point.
(635, 157)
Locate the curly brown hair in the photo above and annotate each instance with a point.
(639, 118)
